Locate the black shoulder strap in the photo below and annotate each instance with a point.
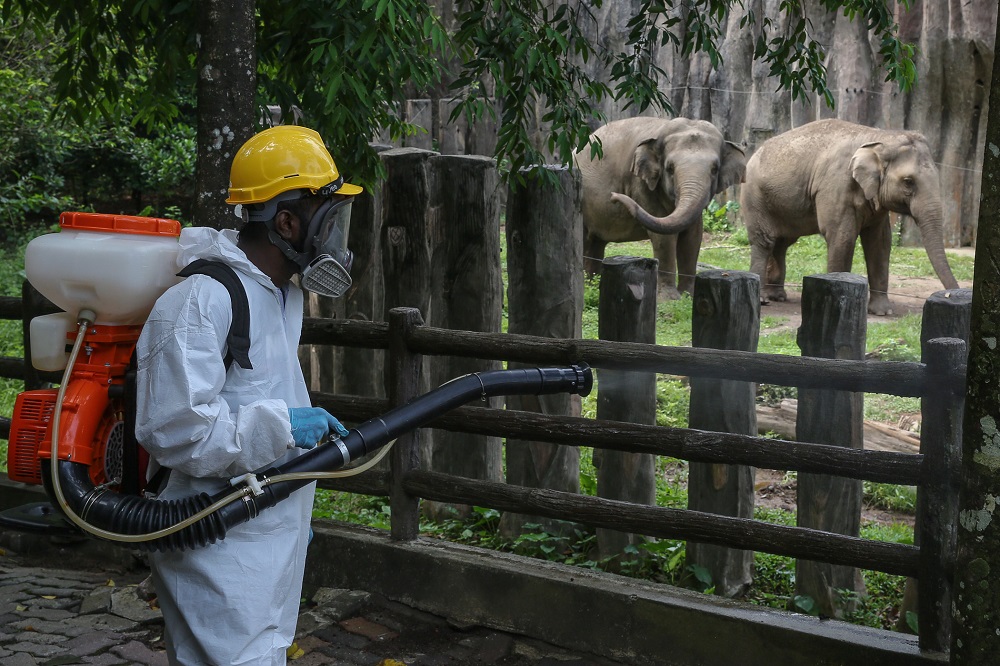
(238, 340)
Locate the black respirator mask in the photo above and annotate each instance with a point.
(324, 261)
(326, 264)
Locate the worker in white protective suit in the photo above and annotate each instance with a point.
(236, 601)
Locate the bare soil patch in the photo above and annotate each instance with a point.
(907, 295)
(776, 489)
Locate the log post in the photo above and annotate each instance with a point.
(359, 371)
(726, 315)
(402, 384)
(544, 230)
(406, 229)
(937, 498)
(405, 242)
(31, 302)
(466, 294)
(627, 313)
(834, 325)
(946, 314)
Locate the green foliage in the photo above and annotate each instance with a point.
(353, 508)
(891, 497)
(48, 165)
(351, 65)
(716, 218)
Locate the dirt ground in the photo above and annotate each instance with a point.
(907, 295)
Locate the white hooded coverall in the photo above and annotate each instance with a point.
(235, 601)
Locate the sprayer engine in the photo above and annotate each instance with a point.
(96, 429)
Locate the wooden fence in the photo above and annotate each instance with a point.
(939, 380)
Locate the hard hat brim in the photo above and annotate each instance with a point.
(349, 189)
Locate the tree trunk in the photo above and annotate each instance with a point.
(226, 106)
(977, 587)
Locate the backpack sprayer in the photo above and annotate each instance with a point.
(78, 440)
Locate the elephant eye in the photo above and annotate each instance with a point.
(908, 181)
(670, 169)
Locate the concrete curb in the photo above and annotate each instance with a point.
(612, 616)
(604, 614)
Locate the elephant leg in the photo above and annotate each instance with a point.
(839, 253)
(593, 252)
(760, 259)
(876, 242)
(688, 247)
(665, 251)
(776, 267)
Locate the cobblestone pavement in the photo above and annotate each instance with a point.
(58, 607)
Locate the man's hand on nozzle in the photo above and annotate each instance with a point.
(311, 424)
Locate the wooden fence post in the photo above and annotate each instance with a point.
(726, 315)
(359, 371)
(627, 313)
(466, 294)
(402, 383)
(544, 231)
(834, 325)
(937, 498)
(31, 301)
(946, 314)
(405, 241)
(406, 229)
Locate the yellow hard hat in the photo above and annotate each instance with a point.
(283, 158)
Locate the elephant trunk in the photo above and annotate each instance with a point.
(693, 197)
(929, 219)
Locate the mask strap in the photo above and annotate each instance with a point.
(300, 259)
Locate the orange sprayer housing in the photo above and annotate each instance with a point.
(92, 418)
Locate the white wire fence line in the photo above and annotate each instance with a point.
(849, 89)
(797, 286)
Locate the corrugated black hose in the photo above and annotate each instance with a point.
(133, 515)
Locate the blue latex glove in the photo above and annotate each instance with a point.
(311, 424)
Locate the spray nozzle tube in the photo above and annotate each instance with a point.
(154, 525)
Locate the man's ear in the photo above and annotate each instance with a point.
(286, 225)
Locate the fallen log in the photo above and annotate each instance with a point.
(878, 436)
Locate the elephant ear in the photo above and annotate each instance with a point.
(866, 169)
(732, 166)
(646, 163)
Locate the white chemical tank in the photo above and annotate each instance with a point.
(115, 265)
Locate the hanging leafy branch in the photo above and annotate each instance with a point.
(350, 65)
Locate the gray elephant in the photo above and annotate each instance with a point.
(841, 180)
(655, 167)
